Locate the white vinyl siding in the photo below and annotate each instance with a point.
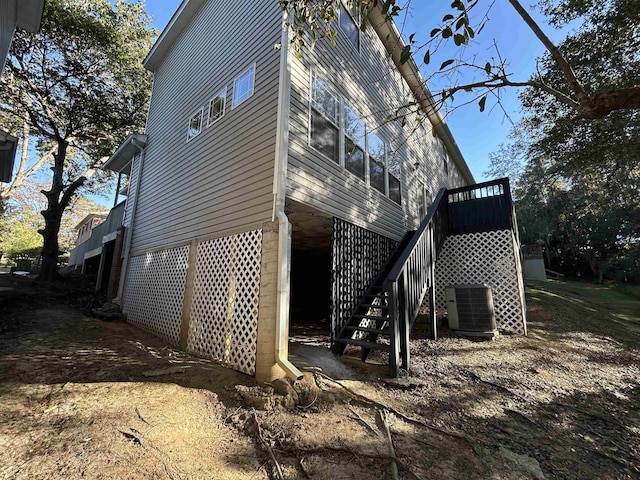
(223, 180)
(371, 86)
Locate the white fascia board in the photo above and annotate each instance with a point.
(179, 21)
(125, 152)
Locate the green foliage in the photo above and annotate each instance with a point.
(81, 85)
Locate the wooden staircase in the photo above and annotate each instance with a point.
(384, 316)
(370, 318)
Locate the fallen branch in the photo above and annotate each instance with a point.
(296, 451)
(276, 466)
(384, 422)
(399, 414)
(363, 421)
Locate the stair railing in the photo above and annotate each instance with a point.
(410, 279)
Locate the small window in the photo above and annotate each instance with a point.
(377, 169)
(353, 158)
(349, 24)
(195, 125)
(216, 107)
(394, 189)
(324, 100)
(324, 119)
(354, 142)
(324, 136)
(243, 86)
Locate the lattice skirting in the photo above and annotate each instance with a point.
(224, 308)
(358, 256)
(490, 258)
(155, 292)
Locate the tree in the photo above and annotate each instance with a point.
(81, 86)
(610, 28)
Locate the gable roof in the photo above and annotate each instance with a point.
(179, 21)
(393, 43)
(91, 216)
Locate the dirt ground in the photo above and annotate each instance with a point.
(82, 398)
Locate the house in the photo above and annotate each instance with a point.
(271, 189)
(25, 14)
(87, 224)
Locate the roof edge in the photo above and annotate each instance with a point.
(394, 44)
(125, 152)
(178, 22)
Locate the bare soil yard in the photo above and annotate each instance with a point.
(81, 398)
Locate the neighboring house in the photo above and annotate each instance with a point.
(24, 14)
(87, 224)
(270, 187)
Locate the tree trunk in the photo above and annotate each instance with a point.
(50, 248)
(52, 218)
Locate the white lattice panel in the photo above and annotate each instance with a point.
(226, 293)
(155, 292)
(488, 258)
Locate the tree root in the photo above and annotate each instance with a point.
(274, 462)
(473, 443)
(299, 451)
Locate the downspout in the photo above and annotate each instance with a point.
(279, 193)
(125, 262)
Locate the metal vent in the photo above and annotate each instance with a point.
(470, 309)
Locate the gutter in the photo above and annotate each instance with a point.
(127, 255)
(279, 193)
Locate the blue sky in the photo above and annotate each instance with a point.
(476, 133)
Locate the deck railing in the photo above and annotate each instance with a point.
(111, 224)
(412, 276)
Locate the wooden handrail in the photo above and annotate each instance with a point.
(396, 271)
(407, 282)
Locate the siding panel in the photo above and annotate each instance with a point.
(223, 178)
(371, 85)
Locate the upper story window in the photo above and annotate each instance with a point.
(349, 20)
(243, 86)
(393, 167)
(324, 119)
(195, 125)
(354, 142)
(217, 106)
(377, 167)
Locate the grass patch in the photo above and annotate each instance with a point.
(76, 332)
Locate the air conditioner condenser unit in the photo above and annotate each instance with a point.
(470, 310)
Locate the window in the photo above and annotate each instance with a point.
(243, 86)
(349, 24)
(394, 189)
(216, 107)
(393, 167)
(195, 125)
(353, 142)
(377, 170)
(324, 119)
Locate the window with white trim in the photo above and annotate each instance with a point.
(377, 167)
(393, 168)
(349, 22)
(217, 106)
(195, 125)
(243, 86)
(325, 130)
(354, 142)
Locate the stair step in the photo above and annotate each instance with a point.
(370, 317)
(365, 344)
(371, 305)
(367, 330)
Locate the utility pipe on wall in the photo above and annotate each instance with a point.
(279, 192)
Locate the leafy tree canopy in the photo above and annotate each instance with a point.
(81, 88)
